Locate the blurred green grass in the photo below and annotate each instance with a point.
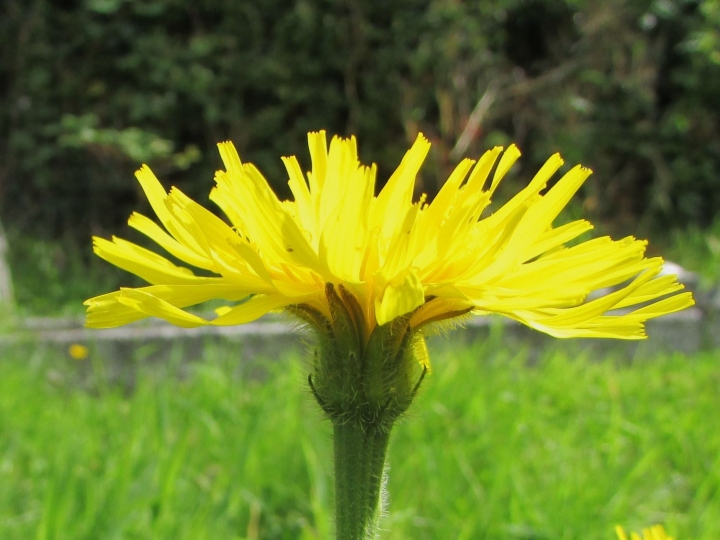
(496, 447)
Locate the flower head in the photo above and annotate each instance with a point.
(394, 257)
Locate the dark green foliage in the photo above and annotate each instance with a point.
(55, 277)
(90, 89)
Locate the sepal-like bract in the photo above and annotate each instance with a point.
(368, 382)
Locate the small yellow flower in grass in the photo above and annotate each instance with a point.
(78, 351)
(393, 255)
(655, 532)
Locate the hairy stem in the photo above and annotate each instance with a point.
(360, 452)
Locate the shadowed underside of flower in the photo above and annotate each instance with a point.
(395, 256)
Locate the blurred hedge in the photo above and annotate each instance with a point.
(90, 89)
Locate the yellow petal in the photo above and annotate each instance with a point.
(535, 221)
(155, 307)
(343, 241)
(341, 165)
(399, 251)
(156, 196)
(153, 231)
(403, 294)
(554, 238)
(303, 198)
(268, 222)
(537, 184)
(142, 262)
(396, 196)
(106, 311)
(479, 175)
(317, 144)
(443, 201)
(232, 255)
(253, 309)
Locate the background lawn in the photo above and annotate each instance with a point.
(495, 447)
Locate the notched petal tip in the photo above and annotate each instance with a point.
(143, 169)
(230, 157)
(422, 138)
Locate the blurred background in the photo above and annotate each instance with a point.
(150, 433)
(91, 89)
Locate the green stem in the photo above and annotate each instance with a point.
(359, 467)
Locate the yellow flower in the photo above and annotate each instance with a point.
(655, 532)
(78, 351)
(394, 256)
